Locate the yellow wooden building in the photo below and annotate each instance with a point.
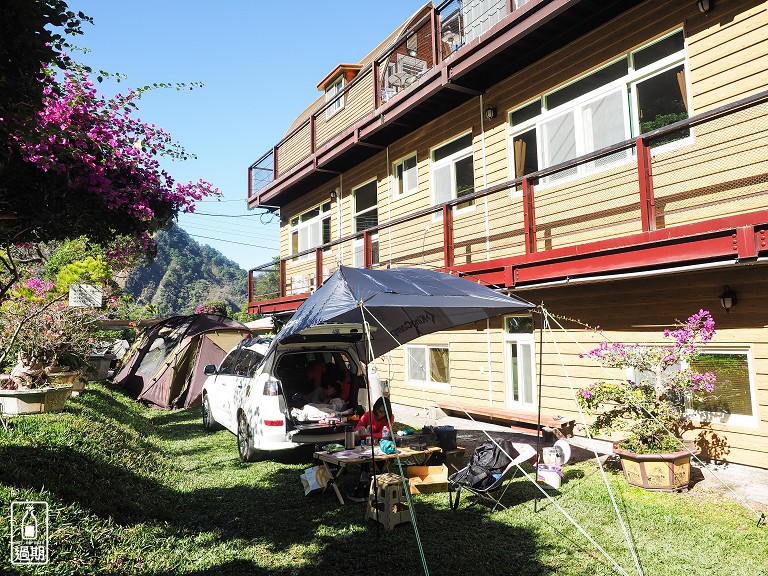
(606, 159)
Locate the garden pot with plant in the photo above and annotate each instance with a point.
(648, 407)
(38, 333)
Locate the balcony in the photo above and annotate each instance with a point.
(697, 201)
(452, 53)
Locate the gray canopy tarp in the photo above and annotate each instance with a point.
(401, 303)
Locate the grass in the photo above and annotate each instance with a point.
(135, 491)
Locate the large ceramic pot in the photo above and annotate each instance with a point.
(669, 472)
(73, 377)
(100, 365)
(34, 401)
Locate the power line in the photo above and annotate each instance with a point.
(231, 215)
(250, 233)
(239, 200)
(232, 242)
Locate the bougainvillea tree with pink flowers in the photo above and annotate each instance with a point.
(649, 406)
(99, 169)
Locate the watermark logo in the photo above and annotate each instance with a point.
(29, 533)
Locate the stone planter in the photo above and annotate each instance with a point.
(669, 472)
(35, 401)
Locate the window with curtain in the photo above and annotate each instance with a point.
(427, 365)
(366, 216)
(640, 91)
(733, 399)
(453, 174)
(406, 175)
(311, 229)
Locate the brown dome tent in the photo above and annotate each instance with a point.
(165, 368)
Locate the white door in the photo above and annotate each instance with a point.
(519, 358)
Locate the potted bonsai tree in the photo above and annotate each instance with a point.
(649, 406)
(37, 331)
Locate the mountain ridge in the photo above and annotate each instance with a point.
(184, 274)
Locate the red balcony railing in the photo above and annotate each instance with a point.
(710, 186)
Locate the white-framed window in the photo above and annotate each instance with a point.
(427, 366)
(453, 172)
(335, 92)
(641, 91)
(366, 215)
(406, 174)
(519, 359)
(311, 229)
(734, 399)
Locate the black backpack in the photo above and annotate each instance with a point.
(488, 459)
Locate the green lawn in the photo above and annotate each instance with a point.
(135, 491)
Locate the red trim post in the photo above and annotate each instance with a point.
(312, 133)
(376, 84)
(250, 286)
(318, 267)
(437, 43)
(529, 217)
(283, 278)
(367, 249)
(274, 162)
(448, 247)
(645, 179)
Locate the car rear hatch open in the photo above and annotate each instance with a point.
(325, 343)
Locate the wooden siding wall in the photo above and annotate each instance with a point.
(476, 377)
(728, 50)
(293, 150)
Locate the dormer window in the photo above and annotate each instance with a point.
(335, 94)
(333, 86)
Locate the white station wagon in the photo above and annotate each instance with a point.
(254, 392)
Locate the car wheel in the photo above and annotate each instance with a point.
(209, 423)
(244, 447)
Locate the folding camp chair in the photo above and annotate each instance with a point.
(461, 480)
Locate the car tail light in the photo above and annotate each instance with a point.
(273, 422)
(271, 388)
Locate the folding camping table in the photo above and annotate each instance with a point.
(340, 460)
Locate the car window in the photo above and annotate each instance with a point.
(228, 365)
(247, 362)
(258, 358)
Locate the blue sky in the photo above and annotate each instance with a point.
(260, 62)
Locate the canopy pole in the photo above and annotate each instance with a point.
(391, 420)
(368, 360)
(538, 401)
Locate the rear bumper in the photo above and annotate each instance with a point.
(299, 440)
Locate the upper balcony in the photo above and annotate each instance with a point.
(451, 53)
